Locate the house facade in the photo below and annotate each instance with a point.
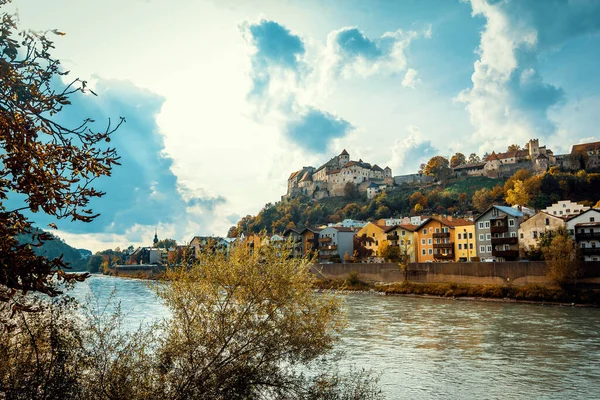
(439, 240)
(565, 208)
(496, 232)
(406, 238)
(373, 235)
(585, 229)
(531, 229)
(336, 242)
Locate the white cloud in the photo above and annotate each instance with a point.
(410, 78)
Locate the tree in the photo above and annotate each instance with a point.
(351, 191)
(482, 199)
(418, 198)
(513, 147)
(389, 252)
(474, 158)
(518, 195)
(50, 165)
(458, 159)
(166, 244)
(242, 325)
(439, 168)
(560, 254)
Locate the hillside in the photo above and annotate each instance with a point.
(301, 211)
(77, 258)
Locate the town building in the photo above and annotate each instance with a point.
(310, 241)
(372, 236)
(496, 232)
(565, 208)
(336, 243)
(585, 229)
(406, 238)
(438, 239)
(531, 229)
(295, 237)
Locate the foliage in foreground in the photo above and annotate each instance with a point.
(246, 327)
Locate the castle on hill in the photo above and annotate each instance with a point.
(331, 178)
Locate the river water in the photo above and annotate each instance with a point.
(437, 348)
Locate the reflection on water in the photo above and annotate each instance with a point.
(431, 348)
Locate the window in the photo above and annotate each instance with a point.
(489, 249)
(481, 225)
(429, 241)
(481, 237)
(564, 205)
(547, 221)
(408, 242)
(446, 230)
(521, 234)
(423, 252)
(437, 230)
(403, 233)
(506, 247)
(487, 224)
(513, 234)
(494, 212)
(488, 236)
(482, 249)
(459, 236)
(376, 243)
(511, 222)
(470, 235)
(423, 242)
(592, 219)
(425, 231)
(534, 234)
(471, 246)
(460, 246)
(571, 232)
(430, 251)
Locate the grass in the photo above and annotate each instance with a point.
(472, 184)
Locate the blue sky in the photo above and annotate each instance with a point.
(223, 100)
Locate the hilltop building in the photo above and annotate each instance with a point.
(331, 178)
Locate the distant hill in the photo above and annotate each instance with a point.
(77, 258)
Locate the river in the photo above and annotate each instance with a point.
(437, 348)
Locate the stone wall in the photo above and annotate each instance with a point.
(482, 273)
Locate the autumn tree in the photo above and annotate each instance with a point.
(518, 195)
(439, 168)
(166, 243)
(513, 147)
(418, 198)
(47, 166)
(474, 158)
(458, 159)
(560, 254)
(482, 199)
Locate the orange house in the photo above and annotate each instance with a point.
(438, 239)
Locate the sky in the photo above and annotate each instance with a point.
(224, 99)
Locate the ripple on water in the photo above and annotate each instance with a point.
(440, 349)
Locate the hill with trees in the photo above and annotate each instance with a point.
(458, 196)
(77, 259)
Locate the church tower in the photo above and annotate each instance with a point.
(155, 241)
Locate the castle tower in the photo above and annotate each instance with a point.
(343, 158)
(155, 241)
(534, 148)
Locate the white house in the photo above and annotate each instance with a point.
(585, 229)
(565, 208)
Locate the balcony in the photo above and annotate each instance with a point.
(505, 240)
(330, 247)
(587, 236)
(499, 229)
(441, 235)
(440, 256)
(324, 240)
(590, 251)
(393, 237)
(506, 254)
(443, 245)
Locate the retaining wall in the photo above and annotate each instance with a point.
(481, 273)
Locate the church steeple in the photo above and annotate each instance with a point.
(155, 241)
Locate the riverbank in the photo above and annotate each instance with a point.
(515, 294)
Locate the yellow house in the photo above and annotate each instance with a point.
(446, 239)
(372, 235)
(407, 238)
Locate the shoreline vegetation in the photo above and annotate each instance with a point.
(528, 294)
